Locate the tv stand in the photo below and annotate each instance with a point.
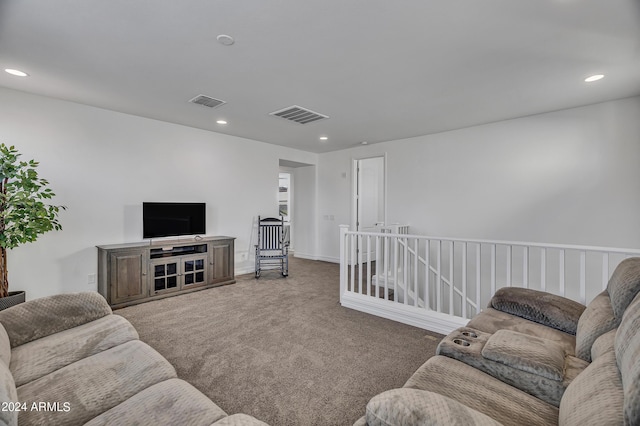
(177, 250)
(138, 272)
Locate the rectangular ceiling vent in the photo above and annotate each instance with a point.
(299, 115)
(207, 101)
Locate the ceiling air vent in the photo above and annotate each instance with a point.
(299, 115)
(207, 101)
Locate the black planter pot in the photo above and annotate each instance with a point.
(14, 298)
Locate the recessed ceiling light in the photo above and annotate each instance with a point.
(221, 122)
(225, 40)
(364, 143)
(16, 72)
(323, 138)
(594, 78)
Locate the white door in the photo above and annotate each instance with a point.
(370, 200)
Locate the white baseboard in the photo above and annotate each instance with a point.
(248, 267)
(245, 270)
(417, 317)
(314, 257)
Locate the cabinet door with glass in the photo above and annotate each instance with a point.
(194, 271)
(165, 275)
(178, 273)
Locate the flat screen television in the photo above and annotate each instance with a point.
(173, 219)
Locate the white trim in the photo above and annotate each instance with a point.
(314, 257)
(244, 270)
(627, 251)
(354, 186)
(406, 314)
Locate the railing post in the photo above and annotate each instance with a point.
(478, 278)
(543, 269)
(583, 277)
(605, 270)
(464, 280)
(343, 260)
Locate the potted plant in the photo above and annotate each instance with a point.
(24, 213)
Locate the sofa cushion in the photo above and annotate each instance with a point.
(418, 407)
(594, 397)
(8, 394)
(603, 344)
(624, 284)
(527, 353)
(95, 384)
(40, 357)
(539, 306)
(491, 320)
(515, 359)
(171, 402)
(627, 351)
(481, 392)
(51, 314)
(5, 346)
(596, 320)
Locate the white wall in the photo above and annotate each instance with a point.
(102, 165)
(571, 176)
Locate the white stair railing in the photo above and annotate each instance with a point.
(439, 283)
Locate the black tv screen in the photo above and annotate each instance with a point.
(173, 219)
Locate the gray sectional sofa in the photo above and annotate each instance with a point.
(531, 358)
(67, 360)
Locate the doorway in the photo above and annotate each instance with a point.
(285, 202)
(369, 197)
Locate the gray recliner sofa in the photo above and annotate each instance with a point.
(531, 358)
(68, 360)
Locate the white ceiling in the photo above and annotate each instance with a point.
(380, 69)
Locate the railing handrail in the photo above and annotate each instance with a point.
(437, 282)
(501, 242)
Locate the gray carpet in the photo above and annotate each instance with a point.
(283, 349)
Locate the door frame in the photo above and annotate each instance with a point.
(354, 188)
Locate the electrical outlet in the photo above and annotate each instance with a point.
(91, 279)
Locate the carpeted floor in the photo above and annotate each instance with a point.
(283, 349)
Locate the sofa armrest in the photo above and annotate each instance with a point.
(418, 407)
(538, 306)
(42, 317)
(532, 364)
(526, 353)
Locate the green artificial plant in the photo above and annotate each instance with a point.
(24, 213)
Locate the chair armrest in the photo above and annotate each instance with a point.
(42, 317)
(418, 407)
(538, 306)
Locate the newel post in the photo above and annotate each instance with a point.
(343, 260)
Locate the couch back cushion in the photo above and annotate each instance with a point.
(627, 351)
(603, 344)
(624, 284)
(5, 346)
(48, 315)
(8, 397)
(595, 396)
(595, 321)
